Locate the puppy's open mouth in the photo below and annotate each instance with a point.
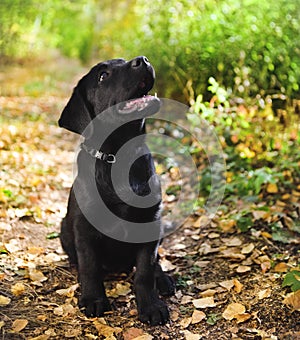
(137, 104)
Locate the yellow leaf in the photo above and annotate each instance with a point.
(233, 310)
(238, 286)
(272, 188)
(281, 267)
(243, 317)
(4, 300)
(105, 330)
(18, 289)
(202, 221)
(227, 225)
(119, 290)
(19, 324)
(36, 276)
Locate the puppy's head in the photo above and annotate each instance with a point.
(117, 83)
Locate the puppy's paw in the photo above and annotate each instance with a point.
(154, 314)
(165, 285)
(94, 307)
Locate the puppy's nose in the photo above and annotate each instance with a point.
(139, 61)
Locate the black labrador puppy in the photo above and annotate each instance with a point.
(108, 107)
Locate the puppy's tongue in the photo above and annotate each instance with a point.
(134, 105)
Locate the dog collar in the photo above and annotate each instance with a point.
(106, 157)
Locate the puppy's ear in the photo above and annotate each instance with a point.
(76, 115)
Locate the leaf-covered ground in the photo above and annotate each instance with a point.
(229, 283)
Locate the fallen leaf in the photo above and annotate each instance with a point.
(202, 221)
(243, 269)
(105, 330)
(265, 293)
(4, 301)
(36, 276)
(228, 284)
(248, 248)
(293, 300)
(186, 299)
(281, 267)
(2, 323)
(232, 242)
(18, 289)
(144, 337)
(41, 337)
(242, 317)
(260, 214)
(64, 310)
(68, 292)
(167, 265)
(185, 322)
(132, 333)
(238, 286)
(191, 336)
(208, 292)
(233, 253)
(272, 188)
(233, 310)
(197, 316)
(19, 324)
(12, 246)
(227, 225)
(121, 289)
(72, 333)
(204, 302)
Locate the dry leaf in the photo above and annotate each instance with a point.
(293, 300)
(185, 322)
(248, 248)
(18, 289)
(208, 292)
(227, 225)
(2, 323)
(167, 265)
(121, 289)
(243, 317)
(281, 267)
(202, 221)
(204, 302)
(265, 293)
(260, 214)
(237, 285)
(4, 301)
(272, 188)
(233, 253)
(186, 299)
(197, 316)
(41, 337)
(19, 324)
(191, 336)
(68, 292)
(13, 245)
(144, 337)
(64, 310)
(232, 242)
(132, 333)
(105, 330)
(36, 276)
(243, 269)
(72, 333)
(233, 310)
(228, 284)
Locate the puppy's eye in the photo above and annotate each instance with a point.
(103, 75)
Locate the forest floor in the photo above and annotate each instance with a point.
(229, 283)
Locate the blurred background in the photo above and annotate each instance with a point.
(251, 47)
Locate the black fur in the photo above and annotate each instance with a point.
(93, 252)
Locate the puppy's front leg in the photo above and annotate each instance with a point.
(93, 298)
(150, 308)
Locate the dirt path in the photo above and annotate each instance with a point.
(228, 283)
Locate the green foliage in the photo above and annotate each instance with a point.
(292, 279)
(248, 46)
